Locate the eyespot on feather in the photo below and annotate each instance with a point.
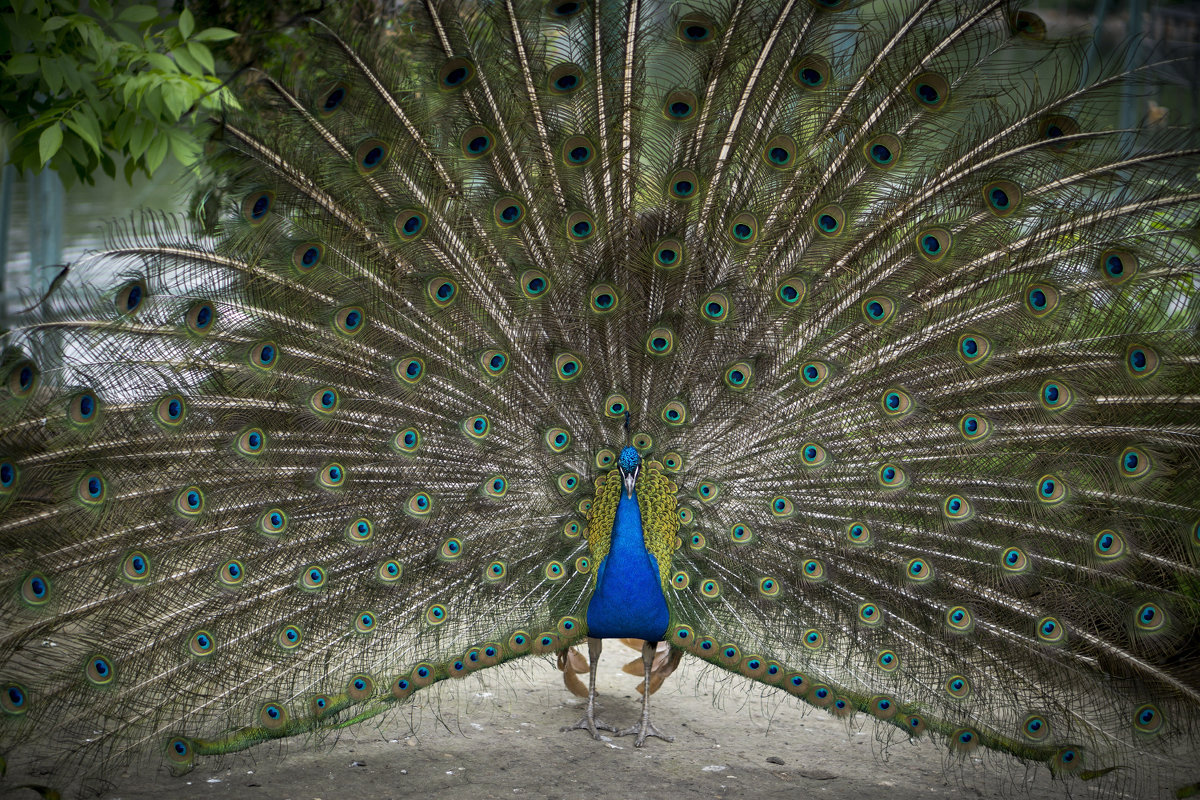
(829, 221)
(680, 105)
(743, 229)
(668, 254)
(1118, 266)
(130, 297)
(811, 72)
(930, 90)
(200, 317)
(1002, 198)
(257, 205)
(442, 291)
(1028, 25)
(1055, 127)
(455, 73)
(580, 226)
(476, 142)
(410, 224)
(683, 185)
(370, 155)
(564, 79)
(883, 151)
(780, 152)
(578, 151)
(508, 212)
(695, 29)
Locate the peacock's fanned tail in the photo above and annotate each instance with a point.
(876, 288)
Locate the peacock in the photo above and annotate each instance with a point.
(845, 346)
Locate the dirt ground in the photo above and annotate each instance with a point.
(496, 735)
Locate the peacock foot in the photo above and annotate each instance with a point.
(592, 726)
(644, 729)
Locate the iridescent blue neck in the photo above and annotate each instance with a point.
(628, 599)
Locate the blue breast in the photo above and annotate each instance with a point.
(628, 599)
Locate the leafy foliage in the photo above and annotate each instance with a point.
(82, 90)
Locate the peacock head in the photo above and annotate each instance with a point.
(629, 463)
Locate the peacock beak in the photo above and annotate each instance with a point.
(630, 479)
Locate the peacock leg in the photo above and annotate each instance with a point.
(589, 721)
(644, 728)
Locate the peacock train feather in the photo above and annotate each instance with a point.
(844, 346)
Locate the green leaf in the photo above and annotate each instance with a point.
(49, 142)
(176, 98)
(22, 64)
(129, 85)
(156, 152)
(185, 61)
(83, 121)
(170, 38)
(75, 80)
(104, 49)
(187, 23)
(109, 167)
(54, 23)
(122, 128)
(184, 147)
(160, 62)
(52, 74)
(215, 35)
(138, 14)
(203, 55)
(89, 30)
(140, 138)
(154, 100)
(102, 8)
(74, 147)
(127, 35)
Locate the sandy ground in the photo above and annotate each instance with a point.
(496, 735)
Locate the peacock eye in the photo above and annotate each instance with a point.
(564, 79)
(683, 185)
(577, 151)
(580, 228)
(780, 152)
(830, 221)
(603, 298)
(410, 224)
(615, 406)
(739, 376)
(791, 291)
(476, 142)
(930, 90)
(568, 367)
(508, 212)
(695, 29)
(333, 98)
(456, 73)
(811, 72)
(674, 413)
(564, 9)
(680, 105)
(877, 309)
(371, 155)
(743, 229)
(933, 245)
(715, 307)
(660, 341)
(534, 284)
